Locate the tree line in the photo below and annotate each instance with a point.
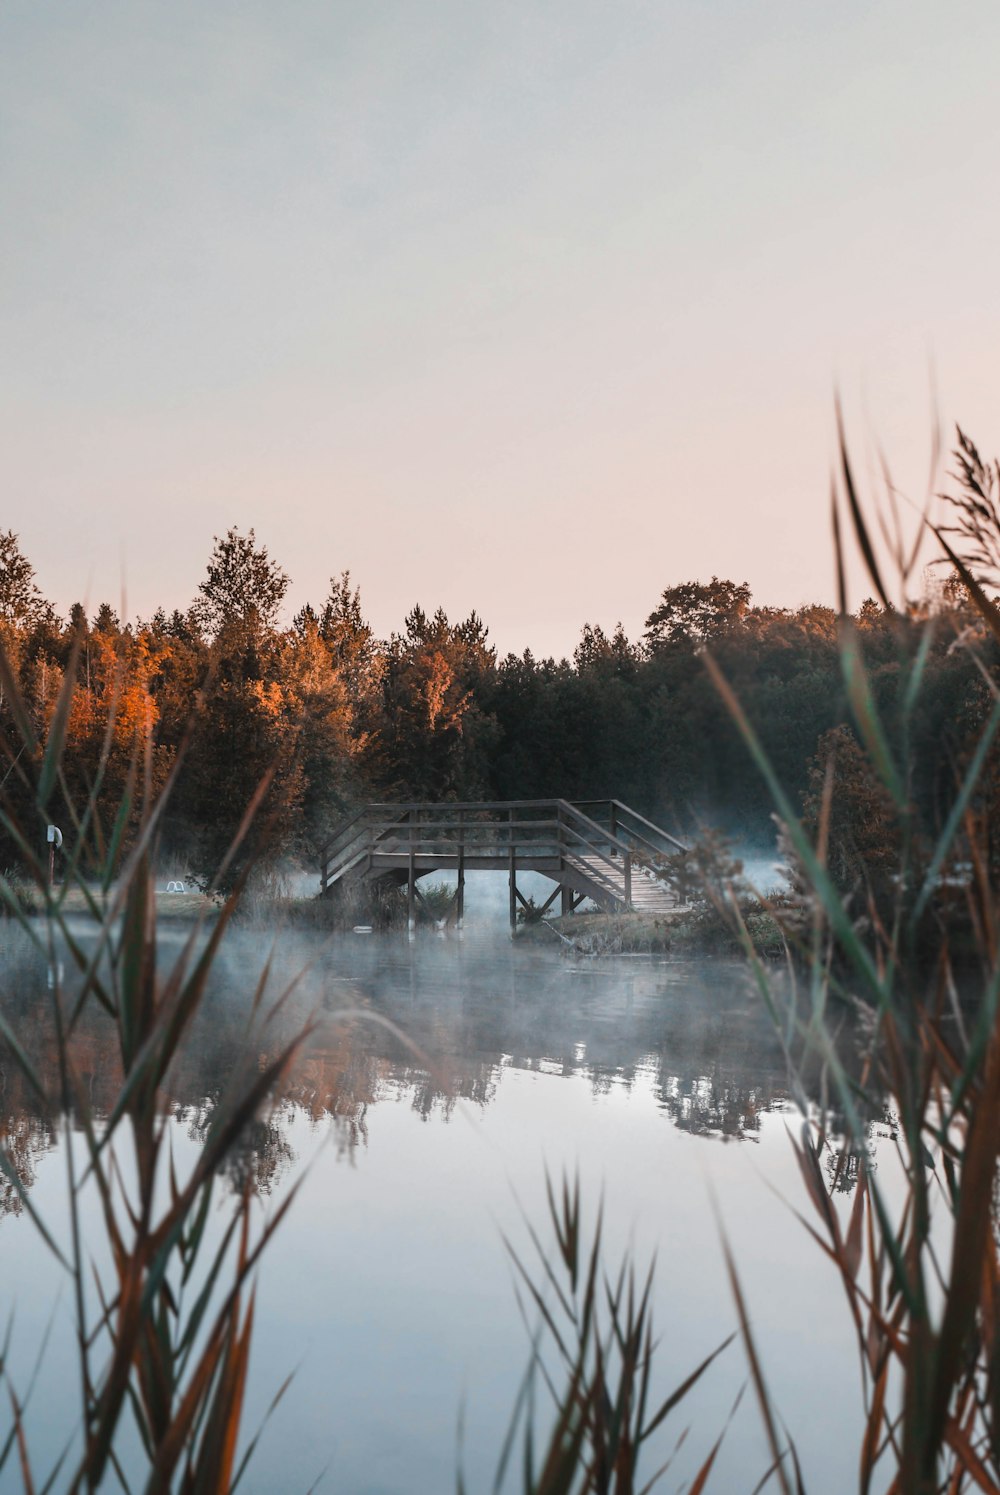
(321, 715)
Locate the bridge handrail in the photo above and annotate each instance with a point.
(438, 841)
(602, 833)
(477, 806)
(377, 808)
(626, 811)
(471, 831)
(379, 821)
(565, 809)
(345, 856)
(657, 830)
(604, 837)
(567, 817)
(335, 854)
(341, 827)
(499, 832)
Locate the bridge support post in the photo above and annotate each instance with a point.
(411, 892)
(512, 875)
(460, 890)
(566, 900)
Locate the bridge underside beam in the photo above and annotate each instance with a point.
(526, 905)
(571, 899)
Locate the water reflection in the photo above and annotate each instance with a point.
(420, 1125)
(432, 1025)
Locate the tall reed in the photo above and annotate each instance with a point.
(162, 1299)
(593, 1350)
(920, 949)
(928, 1330)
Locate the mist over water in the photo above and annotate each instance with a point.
(444, 1077)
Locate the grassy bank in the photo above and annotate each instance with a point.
(85, 901)
(685, 931)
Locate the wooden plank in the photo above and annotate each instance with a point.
(477, 805)
(427, 830)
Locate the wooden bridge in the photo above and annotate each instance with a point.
(597, 849)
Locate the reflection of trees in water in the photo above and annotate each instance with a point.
(261, 1157)
(26, 1128)
(440, 1091)
(333, 1082)
(691, 1038)
(843, 1160)
(714, 1106)
(24, 1138)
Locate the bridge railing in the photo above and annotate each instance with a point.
(501, 831)
(598, 842)
(624, 822)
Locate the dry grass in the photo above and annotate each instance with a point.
(163, 1336)
(927, 1323)
(928, 1329)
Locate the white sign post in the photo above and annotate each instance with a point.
(54, 838)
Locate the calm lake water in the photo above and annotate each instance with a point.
(388, 1291)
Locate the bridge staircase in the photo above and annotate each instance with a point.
(599, 850)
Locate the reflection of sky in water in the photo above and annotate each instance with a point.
(388, 1286)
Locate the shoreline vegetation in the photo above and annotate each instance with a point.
(684, 932)
(311, 719)
(886, 792)
(701, 927)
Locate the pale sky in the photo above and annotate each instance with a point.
(530, 308)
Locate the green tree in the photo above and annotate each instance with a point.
(357, 655)
(243, 589)
(434, 738)
(697, 612)
(863, 830)
(21, 602)
(327, 748)
(106, 620)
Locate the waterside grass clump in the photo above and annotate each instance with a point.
(901, 917)
(710, 921)
(163, 1301)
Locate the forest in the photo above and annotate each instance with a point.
(321, 715)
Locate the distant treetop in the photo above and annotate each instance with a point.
(21, 603)
(243, 586)
(695, 612)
